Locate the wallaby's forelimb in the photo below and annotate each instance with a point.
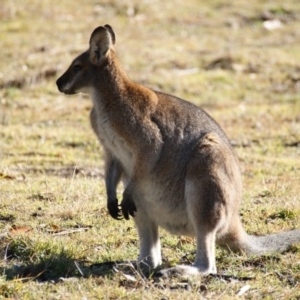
(112, 178)
(113, 174)
(127, 205)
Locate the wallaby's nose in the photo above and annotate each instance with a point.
(58, 83)
(63, 86)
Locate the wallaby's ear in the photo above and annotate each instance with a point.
(111, 32)
(100, 42)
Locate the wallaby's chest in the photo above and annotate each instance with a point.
(111, 140)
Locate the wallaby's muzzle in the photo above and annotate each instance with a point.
(62, 87)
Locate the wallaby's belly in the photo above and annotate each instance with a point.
(165, 205)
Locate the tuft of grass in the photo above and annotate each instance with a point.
(38, 261)
(283, 214)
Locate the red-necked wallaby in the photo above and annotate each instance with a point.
(178, 168)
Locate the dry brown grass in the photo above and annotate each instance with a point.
(213, 53)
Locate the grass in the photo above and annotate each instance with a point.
(57, 240)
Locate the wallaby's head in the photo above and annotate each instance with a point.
(80, 75)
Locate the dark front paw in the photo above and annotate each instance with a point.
(114, 209)
(128, 207)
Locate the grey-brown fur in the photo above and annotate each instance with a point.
(178, 168)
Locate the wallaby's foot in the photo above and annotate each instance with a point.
(184, 271)
(114, 209)
(128, 207)
(138, 266)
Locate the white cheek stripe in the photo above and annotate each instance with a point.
(84, 90)
(70, 86)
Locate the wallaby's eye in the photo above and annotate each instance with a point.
(77, 68)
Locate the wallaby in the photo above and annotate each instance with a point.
(178, 168)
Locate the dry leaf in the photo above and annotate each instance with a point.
(55, 228)
(243, 290)
(19, 177)
(183, 240)
(18, 230)
(272, 24)
(129, 277)
(6, 176)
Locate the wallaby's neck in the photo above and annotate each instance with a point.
(111, 81)
(112, 87)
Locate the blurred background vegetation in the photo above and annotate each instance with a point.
(239, 60)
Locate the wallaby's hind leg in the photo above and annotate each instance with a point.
(206, 214)
(205, 257)
(150, 249)
(212, 192)
(205, 260)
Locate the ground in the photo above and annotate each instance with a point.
(240, 61)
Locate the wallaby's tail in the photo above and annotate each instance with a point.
(277, 242)
(238, 240)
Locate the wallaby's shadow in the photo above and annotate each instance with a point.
(54, 267)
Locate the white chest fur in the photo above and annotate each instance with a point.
(110, 139)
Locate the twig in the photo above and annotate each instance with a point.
(78, 268)
(5, 254)
(71, 231)
(136, 272)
